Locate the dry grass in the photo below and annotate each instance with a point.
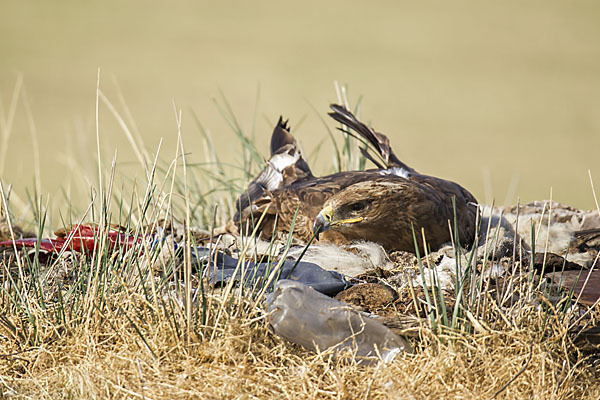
(110, 325)
(107, 359)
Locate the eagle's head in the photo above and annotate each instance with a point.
(393, 211)
(366, 210)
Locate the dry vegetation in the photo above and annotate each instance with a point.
(107, 357)
(121, 324)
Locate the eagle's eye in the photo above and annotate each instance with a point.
(358, 206)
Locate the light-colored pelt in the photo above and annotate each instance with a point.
(350, 260)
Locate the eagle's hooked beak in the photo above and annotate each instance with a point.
(323, 221)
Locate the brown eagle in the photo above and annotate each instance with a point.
(380, 205)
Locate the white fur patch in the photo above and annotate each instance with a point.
(365, 256)
(442, 275)
(398, 171)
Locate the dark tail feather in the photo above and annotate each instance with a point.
(281, 136)
(378, 141)
(368, 156)
(345, 117)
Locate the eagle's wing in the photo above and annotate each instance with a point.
(378, 141)
(286, 166)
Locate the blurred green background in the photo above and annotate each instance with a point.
(502, 97)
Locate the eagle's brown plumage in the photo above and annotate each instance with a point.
(386, 210)
(387, 201)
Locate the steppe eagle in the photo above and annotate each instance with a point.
(380, 205)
